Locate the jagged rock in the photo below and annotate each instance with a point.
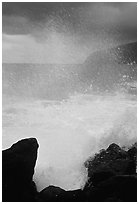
(132, 154)
(56, 194)
(108, 160)
(52, 194)
(107, 163)
(114, 148)
(118, 188)
(107, 171)
(98, 177)
(18, 164)
(114, 152)
(77, 195)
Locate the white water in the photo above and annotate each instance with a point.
(63, 107)
(69, 132)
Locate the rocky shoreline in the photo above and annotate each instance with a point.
(111, 172)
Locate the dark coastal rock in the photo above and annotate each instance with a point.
(118, 188)
(57, 194)
(52, 194)
(18, 164)
(121, 188)
(132, 155)
(132, 152)
(112, 175)
(98, 177)
(77, 195)
(113, 159)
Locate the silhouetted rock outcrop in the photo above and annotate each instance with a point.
(52, 194)
(112, 176)
(18, 164)
(118, 188)
(113, 159)
(56, 194)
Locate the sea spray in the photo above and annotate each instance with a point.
(69, 132)
(72, 110)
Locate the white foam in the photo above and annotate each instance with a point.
(69, 132)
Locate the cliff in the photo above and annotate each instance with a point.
(111, 68)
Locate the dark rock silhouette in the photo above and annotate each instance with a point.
(56, 194)
(52, 194)
(112, 176)
(100, 176)
(116, 189)
(18, 164)
(113, 159)
(75, 196)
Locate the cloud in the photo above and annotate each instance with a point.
(58, 32)
(75, 16)
(16, 25)
(56, 48)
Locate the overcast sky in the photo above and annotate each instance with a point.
(64, 32)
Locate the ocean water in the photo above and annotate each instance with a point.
(70, 117)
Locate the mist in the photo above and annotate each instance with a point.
(52, 91)
(64, 33)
